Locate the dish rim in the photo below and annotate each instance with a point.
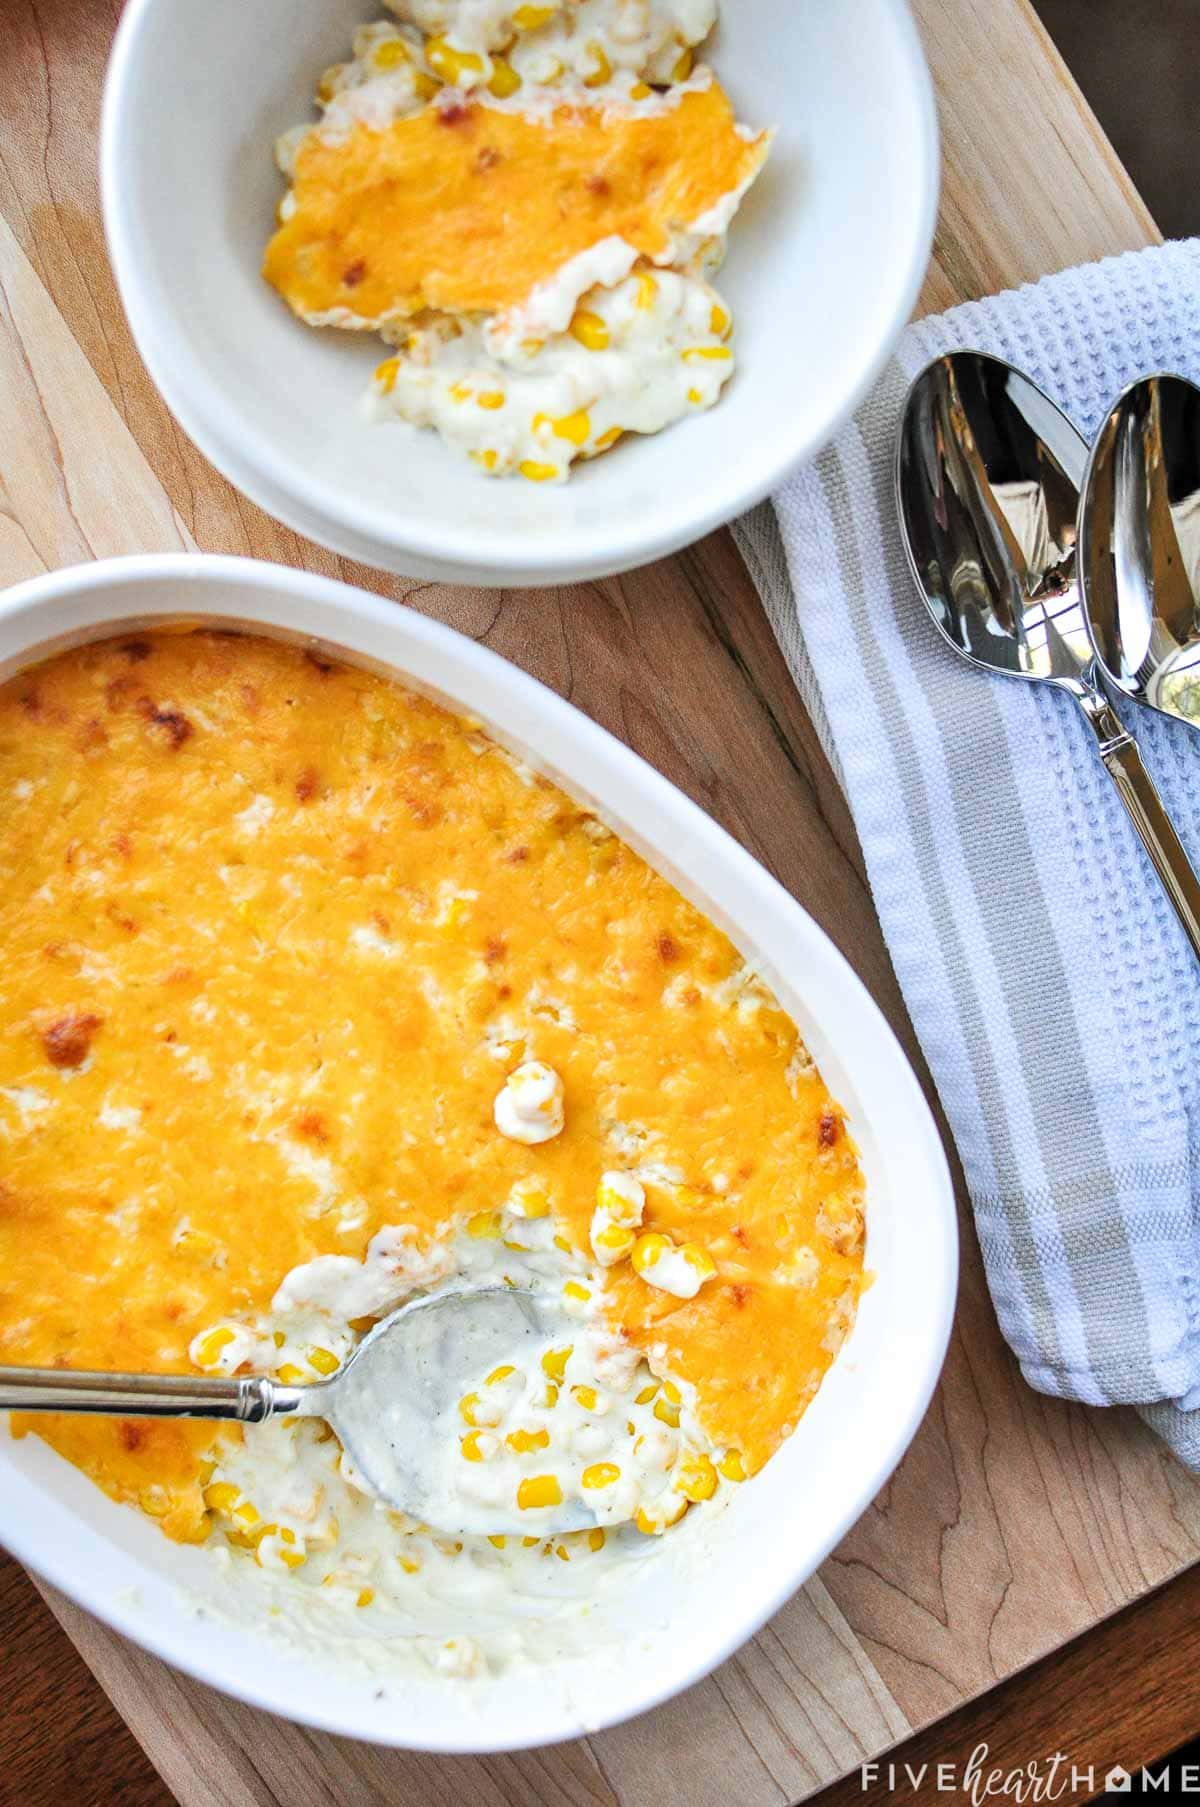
(198, 573)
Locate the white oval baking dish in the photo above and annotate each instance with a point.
(779, 1526)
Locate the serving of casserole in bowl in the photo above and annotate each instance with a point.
(343, 961)
(440, 283)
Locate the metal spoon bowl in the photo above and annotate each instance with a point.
(1139, 544)
(388, 1403)
(988, 473)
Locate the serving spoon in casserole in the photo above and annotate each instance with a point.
(384, 1403)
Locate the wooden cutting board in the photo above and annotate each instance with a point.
(1015, 1522)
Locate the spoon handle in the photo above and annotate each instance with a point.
(144, 1395)
(1147, 811)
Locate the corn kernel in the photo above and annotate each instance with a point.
(672, 1392)
(560, 1242)
(504, 79)
(484, 1226)
(155, 1501)
(640, 91)
(466, 1407)
(498, 1542)
(590, 330)
(360, 1326)
(666, 1413)
(668, 1514)
(491, 399)
(426, 85)
(647, 1394)
(695, 397)
(528, 1543)
(562, 1552)
(525, 1441)
(489, 459)
(528, 1198)
(622, 1196)
(573, 1290)
(732, 1466)
(222, 1496)
(596, 1539)
(390, 53)
(460, 392)
(586, 1396)
(615, 1240)
(386, 374)
(408, 1565)
(714, 353)
(292, 1376)
(538, 1491)
(327, 86)
(602, 68)
(647, 289)
(499, 1374)
(699, 1260)
(609, 438)
(365, 1596)
(266, 1531)
(683, 67)
(551, 1398)
(648, 1250)
(537, 473)
(529, 18)
(279, 1339)
(247, 1513)
(575, 427)
(554, 1362)
(324, 1361)
(209, 1348)
(696, 1478)
(601, 1474)
(451, 64)
(719, 321)
(472, 1449)
(293, 1559)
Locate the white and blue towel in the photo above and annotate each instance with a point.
(1055, 997)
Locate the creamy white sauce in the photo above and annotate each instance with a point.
(589, 39)
(535, 405)
(529, 1105)
(335, 1561)
(620, 1206)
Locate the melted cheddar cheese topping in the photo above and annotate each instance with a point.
(466, 208)
(276, 931)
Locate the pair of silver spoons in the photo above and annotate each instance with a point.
(1041, 559)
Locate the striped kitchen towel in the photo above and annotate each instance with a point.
(1055, 998)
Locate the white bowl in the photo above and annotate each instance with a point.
(781, 1524)
(826, 258)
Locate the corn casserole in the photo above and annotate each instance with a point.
(527, 202)
(314, 997)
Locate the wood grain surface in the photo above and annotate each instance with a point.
(1015, 1522)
